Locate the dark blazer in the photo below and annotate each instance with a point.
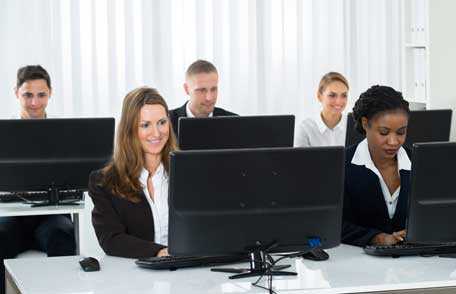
(365, 213)
(123, 228)
(182, 112)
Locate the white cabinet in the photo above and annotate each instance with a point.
(429, 54)
(415, 51)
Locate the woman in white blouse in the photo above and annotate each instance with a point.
(130, 194)
(327, 128)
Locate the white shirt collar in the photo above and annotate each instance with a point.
(322, 127)
(190, 113)
(160, 172)
(362, 157)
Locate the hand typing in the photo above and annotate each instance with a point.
(163, 252)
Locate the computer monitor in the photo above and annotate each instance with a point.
(232, 132)
(423, 126)
(432, 202)
(53, 154)
(229, 201)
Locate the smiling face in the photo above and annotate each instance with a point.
(386, 133)
(33, 96)
(153, 129)
(334, 98)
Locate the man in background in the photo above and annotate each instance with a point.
(33, 90)
(201, 85)
(52, 234)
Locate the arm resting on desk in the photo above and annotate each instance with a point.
(112, 229)
(352, 233)
(356, 235)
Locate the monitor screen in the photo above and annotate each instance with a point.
(226, 201)
(432, 203)
(59, 153)
(423, 126)
(232, 132)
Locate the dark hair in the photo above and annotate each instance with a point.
(200, 66)
(376, 100)
(32, 72)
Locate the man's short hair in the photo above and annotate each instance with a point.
(32, 72)
(200, 66)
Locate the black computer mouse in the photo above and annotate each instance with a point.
(316, 254)
(89, 264)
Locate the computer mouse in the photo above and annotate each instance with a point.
(89, 264)
(316, 254)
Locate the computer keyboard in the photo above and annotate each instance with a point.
(175, 262)
(37, 196)
(405, 249)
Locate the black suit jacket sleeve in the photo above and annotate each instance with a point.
(352, 233)
(112, 225)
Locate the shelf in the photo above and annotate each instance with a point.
(415, 45)
(415, 51)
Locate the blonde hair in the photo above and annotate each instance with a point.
(200, 66)
(329, 78)
(121, 175)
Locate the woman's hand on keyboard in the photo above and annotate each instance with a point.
(388, 239)
(400, 235)
(163, 252)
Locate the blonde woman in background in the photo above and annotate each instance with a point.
(328, 128)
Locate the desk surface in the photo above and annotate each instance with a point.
(21, 209)
(348, 270)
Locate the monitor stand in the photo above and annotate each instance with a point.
(258, 267)
(53, 200)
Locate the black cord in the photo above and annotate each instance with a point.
(269, 267)
(269, 264)
(267, 273)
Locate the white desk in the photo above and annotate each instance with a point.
(22, 209)
(349, 270)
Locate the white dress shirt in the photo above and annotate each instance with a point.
(159, 205)
(190, 113)
(362, 157)
(314, 132)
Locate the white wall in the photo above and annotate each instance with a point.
(442, 57)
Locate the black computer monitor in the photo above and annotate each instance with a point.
(228, 201)
(423, 126)
(232, 132)
(53, 154)
(432, 202)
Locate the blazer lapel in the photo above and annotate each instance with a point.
(148, 226)
(378, 201)
(402, 204)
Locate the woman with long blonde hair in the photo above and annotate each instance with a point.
(130, 194)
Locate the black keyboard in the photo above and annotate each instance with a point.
(37, 196)
(405, 249)
(175, 262)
